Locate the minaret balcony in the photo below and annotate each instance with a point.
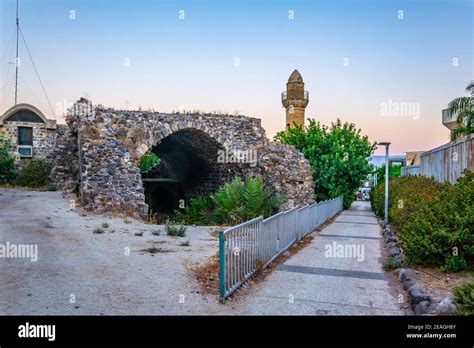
(305, 96)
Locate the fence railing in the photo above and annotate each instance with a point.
(253, 245)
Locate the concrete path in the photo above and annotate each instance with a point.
(338, 273)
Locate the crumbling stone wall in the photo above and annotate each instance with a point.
(287, 171)
(109, 144)
(65, 158)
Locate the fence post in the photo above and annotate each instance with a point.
(221, 266)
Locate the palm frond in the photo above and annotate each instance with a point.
(470, 87)
(459, 105)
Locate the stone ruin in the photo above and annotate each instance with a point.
(98, 151)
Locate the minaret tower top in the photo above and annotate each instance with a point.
(295, 99)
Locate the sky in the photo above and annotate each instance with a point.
(390, 67)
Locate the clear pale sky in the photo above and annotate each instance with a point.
(424, 58)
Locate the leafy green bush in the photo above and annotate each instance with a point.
(148, 161)
(239, 201)
(338, 156)
(394, 170)
(233, 203)
(7, 162)
(435, 220)
(392, 263)
(177, 231)
(34, 173)
(198, 211)
(463, 298)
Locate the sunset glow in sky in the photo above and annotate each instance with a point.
(390, 67)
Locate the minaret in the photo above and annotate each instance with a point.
(295, 100)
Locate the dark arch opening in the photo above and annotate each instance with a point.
(189, 168)
(25, 116)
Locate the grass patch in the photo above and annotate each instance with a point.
(105, 225)
(48, 188)
(155, 250)
(391, 264)
(98, 230)
(176, 231)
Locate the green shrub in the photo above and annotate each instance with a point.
(463, 298)
(392, 263)
(198, 211)
(394, 170)
(98, 230)
(233, 203)
(435, 220)
(34, 173)
(337, 155)
(7, 162)
(148, 161)
(176, 231)
(239, 201)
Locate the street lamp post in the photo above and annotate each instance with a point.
(387, 145)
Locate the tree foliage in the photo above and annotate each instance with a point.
(463, 108)
(7, 161)
(394, 170)
(148, 161)
(338, 156)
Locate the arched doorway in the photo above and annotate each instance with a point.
(188, 168)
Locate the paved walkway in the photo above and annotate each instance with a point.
(338, 273)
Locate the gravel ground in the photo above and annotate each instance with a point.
(96, 270)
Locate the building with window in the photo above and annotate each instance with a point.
(32, 134)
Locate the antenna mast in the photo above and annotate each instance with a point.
(17, 60)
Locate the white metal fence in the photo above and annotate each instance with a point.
(252, 245)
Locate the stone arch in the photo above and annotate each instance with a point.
(189, 168)
(109, 174)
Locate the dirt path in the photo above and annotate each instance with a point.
(96, 270)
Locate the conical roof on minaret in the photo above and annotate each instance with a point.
(295, 77)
